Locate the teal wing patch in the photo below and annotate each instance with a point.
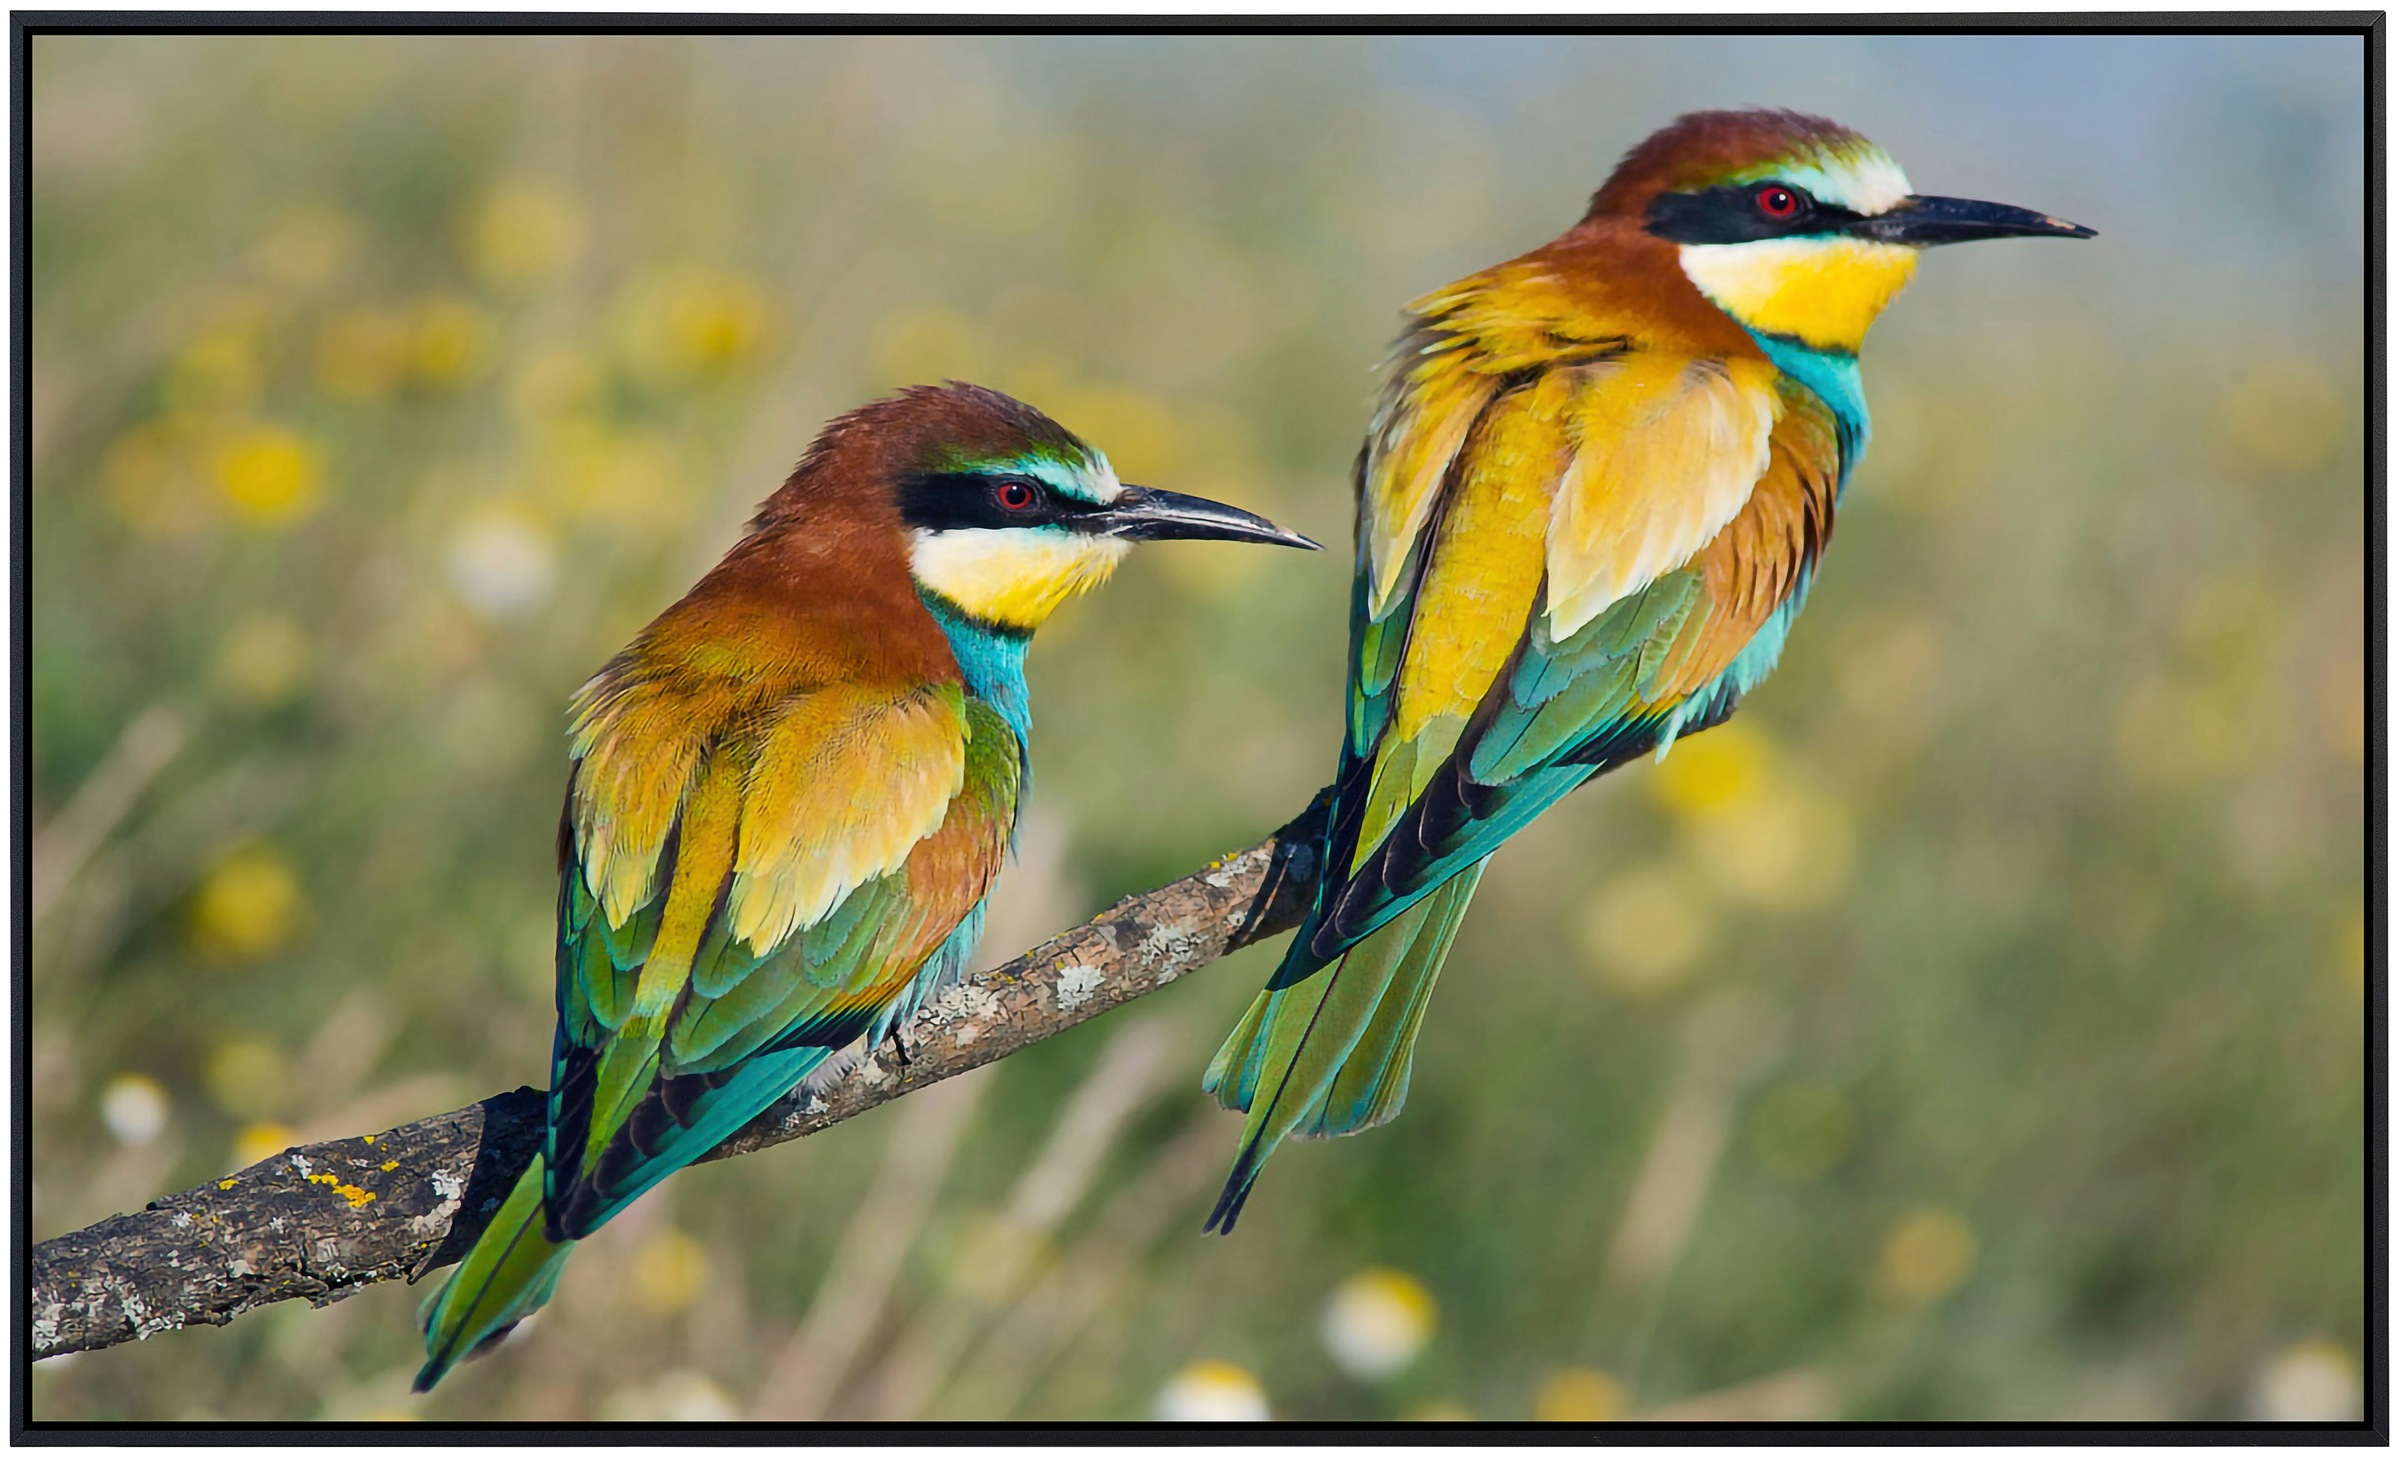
(598, 964)
(1562, 712)
(1380, 643)
(1563, 694)
(823, 988)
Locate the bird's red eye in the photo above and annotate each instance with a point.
(1015, 496)
(1778, 202)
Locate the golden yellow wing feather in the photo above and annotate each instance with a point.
(1469, 343)
(1667, 450)
(811, 833)
(1418, 432)
(1485, 566)
(636, 743)
(704, 856)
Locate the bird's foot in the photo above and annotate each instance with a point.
(898, 1038)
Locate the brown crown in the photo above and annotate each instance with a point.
(917, 428)
(1705, 147)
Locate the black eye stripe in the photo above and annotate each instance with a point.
(970, 501)
(1734, 215)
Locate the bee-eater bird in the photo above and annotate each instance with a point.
(790, 794)
(1590, 503)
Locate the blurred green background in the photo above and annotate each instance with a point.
(1973, 1029)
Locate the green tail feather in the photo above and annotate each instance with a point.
(1331, 1051)
(509, 1275)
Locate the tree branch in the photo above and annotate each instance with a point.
(325, 1220)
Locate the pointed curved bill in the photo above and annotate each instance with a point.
(1924, 222)
(1142, 514)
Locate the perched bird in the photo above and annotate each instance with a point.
(1590, 504)
(790, 794)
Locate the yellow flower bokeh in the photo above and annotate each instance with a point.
(1212, 1391)
(1926, 1256)
(248, 1077)
(249, 906)
(157, 477)
(262, 658)
(1791, 848)
(2350, 951)
(269, 476)
(1579, 1394)
(694, 323)
(449, 341)
(1754, 831)
(526, 230)
(1722, 769)
(1377, 1322)
(636, 480)
(669, 1271)
(263, 1140)
(218, 373)
(1647, 928)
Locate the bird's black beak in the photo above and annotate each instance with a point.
(1141, 514)
(1924, 222)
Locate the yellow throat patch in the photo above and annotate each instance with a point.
(1014, 577)
(1825, 292)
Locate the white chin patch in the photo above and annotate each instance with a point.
(1014, 576)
